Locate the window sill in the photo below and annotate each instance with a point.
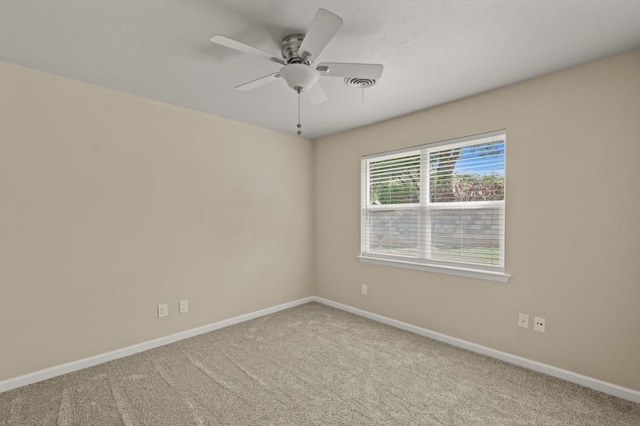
(449, 270)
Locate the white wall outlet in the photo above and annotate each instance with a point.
(184, 306)
(523, 320)
(538, 324)
(163, 310)
(364, 289)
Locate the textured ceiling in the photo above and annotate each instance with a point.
(434, 51)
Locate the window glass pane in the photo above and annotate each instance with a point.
(393, 232)
(395, 180)
(467, 173)
(467, 235)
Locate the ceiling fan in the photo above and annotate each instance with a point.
(299, 51)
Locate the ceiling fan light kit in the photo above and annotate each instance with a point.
(298, 52)
(299, 77)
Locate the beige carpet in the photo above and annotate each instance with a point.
(310, 365)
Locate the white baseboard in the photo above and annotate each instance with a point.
(599, 385)
(69, 367)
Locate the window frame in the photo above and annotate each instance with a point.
(423, 260)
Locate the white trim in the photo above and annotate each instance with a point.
(462, 205)
(486, 137)
(440, 269)
(599, 385)
(70, 367)
(386, 207)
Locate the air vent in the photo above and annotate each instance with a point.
(360, 83)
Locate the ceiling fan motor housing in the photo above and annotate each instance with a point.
(289, 48)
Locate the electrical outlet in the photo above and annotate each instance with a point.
(184, 306)
(523, 320)
(364, 289)
(163, 310)
(538, 324)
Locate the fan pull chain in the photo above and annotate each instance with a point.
(299, 124)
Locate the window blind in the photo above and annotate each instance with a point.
(438, 204)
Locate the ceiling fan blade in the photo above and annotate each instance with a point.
(323, 27)
(341, 69)
(259, 82)
(244, 48)
(316, 94)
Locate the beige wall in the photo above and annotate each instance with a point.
(573, 222)
(111, 204)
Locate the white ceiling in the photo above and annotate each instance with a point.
(434, 51)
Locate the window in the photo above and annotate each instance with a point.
(438, 207)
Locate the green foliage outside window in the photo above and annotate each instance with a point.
(397, 180)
